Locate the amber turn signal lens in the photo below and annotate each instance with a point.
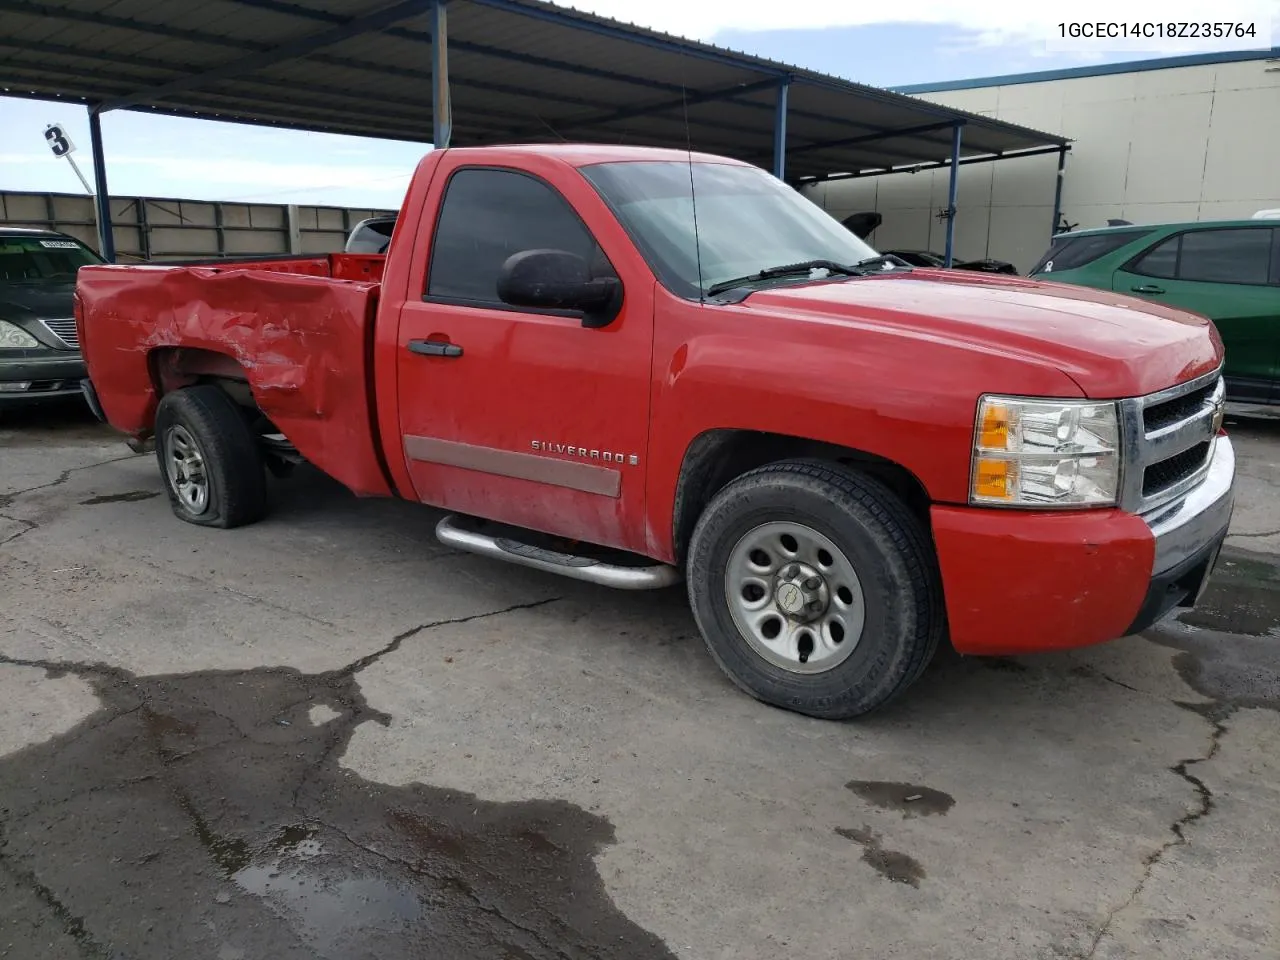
(994, 479)
(994, 431)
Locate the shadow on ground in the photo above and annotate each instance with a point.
(50, 423)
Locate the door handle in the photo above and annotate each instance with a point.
(1147, 288)
(435, 348)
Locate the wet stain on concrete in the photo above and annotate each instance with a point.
(133, 496)
(1243, 600)
(892, 864)
(183, 819)
(908, 799)
(1243, 597)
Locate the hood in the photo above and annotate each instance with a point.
(37, 301)
(1111, 345)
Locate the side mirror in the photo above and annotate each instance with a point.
(559, 280)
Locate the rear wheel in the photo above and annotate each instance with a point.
(815, 588)
(209, 459)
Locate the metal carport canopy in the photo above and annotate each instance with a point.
(517, 71)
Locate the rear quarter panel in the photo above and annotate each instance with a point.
(302, 341)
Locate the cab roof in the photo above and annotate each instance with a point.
(585, 154)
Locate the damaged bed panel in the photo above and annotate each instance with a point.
(300, 339)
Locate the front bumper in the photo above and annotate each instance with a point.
(1022, 581)
(53, 374)
(1188, 536)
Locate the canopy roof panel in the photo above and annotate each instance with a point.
(519, 71)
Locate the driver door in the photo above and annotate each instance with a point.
(516, 414)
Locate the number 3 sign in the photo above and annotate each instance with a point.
(59, 142)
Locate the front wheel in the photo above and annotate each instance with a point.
(209, 459)
(815, 588)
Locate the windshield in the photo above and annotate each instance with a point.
(42, 259)
(748, 221)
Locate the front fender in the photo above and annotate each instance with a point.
(910, 400)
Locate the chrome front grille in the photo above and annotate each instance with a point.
(64, 330)
(1167, 473)
(1168, 441)
(1166, 413)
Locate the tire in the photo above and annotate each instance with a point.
(881, 579)
(220, 482)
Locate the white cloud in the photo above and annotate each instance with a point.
(998, 21)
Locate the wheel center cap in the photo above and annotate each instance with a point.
(790, 598)
(800, 592)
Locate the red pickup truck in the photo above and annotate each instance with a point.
(636, 366)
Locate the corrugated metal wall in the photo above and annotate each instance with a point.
(149, 228)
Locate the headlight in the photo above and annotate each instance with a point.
(1045, 453)
(15, 338)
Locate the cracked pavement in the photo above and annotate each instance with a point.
(329, 736)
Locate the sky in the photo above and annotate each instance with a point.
(882, 44)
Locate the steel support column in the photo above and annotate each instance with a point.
(441, 104)
(952, 190)
(780, 129)
(101, 196)
(1057, 192)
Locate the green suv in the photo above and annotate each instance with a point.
(1228, 271)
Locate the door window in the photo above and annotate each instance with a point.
(1160, 260)
(1239, 255)
(489, 215)
(1226, 256)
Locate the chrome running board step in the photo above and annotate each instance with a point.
(498, 542)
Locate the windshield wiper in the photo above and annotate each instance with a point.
(786, 270)
(864, 266)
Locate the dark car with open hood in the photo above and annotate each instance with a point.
(39, 346)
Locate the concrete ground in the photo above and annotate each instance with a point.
(328, 736)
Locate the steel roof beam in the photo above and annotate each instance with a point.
(27, 8)
(370, 23)
(289, 85)
(867, 149)
(502, 124)
(694, 97)
(194, 36)
(580, 21)
(588, 24)
(873, 137)
(927, 107)
(917, 167)
(418, 36)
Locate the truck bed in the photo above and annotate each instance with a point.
(297, 330)
(338, 266)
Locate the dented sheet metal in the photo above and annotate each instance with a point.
(300, 341)
(340, 266)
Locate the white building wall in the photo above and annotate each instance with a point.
(1185, 143)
